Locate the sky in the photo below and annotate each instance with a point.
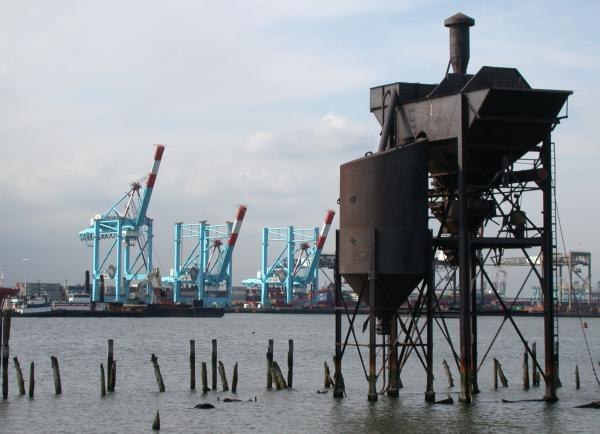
(258, 103)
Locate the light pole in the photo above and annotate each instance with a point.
(25, 260)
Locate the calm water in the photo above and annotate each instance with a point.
(80, 345)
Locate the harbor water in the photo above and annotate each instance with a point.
(81, 344)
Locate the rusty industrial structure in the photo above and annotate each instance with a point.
(462, 170)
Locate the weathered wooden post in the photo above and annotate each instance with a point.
(234, 378)
(278, 385)
(156, 422)
(577, 384)
(290, 376)
(102, 381)
(192, 364)
(495, 363)
(535, 375)
(56, 372)
(20, 380)
(269, 364)
(109, 364)
(525, 370)
(157, 374)
(31, 379)
(448, 373)
(223, 377)
(204, 378)
(6, 314)
(503, 379)
(326, 376)
(279, 375)
(214, 364)
(113, 376)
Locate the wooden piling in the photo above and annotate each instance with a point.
(56, 373)
(278, 385)
(448, 373)
(279, 375)
(204, 378)
(234, 378)
(113, 376)
(290, 360)
(157, 374)
(156, 422)
(525, 370)
(20, 380)
(495, 363)
(223, 376)
(109, 364)
(6, 315)
(192, 364)
(31, 379)
(577, 384)
(269, 364)
(326, 376)
(339, 388)
(102, 381)
(535, 375)
(214, 364)
(503, 379)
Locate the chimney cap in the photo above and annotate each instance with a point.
(459, 19)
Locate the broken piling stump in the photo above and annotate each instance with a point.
(20, 380)
(6, 315)
(31, 379)
(204, 378)
(503, 379)
(234, 378)
(577, 384)
(279, 375)
(156, 422)
(448, 373)
(102, 381)
(290, 360)
(525, 370)
(270, 364)
(214, 364)
(192, 364)
(157, 374)
(223, 376)
(56, 374)
(109, 364)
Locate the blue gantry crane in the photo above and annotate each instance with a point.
(206, 266)
(128, 227)
(294, 269)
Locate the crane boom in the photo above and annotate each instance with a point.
(232, 240)
(149, 185)
(321, 241)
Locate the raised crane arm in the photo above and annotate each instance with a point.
(231, 242)
(321, 241)
(149, 186)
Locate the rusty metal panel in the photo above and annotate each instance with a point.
(357, 252)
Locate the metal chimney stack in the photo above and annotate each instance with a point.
(459, 41)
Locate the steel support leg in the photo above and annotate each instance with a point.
(551, 361)
(473, 292)
(429, 393)
(393, 359)
(464, 259)
(372, 340)
(338, 391)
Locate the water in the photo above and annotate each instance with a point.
(80, 345)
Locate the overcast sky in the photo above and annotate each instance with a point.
(258, 103)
